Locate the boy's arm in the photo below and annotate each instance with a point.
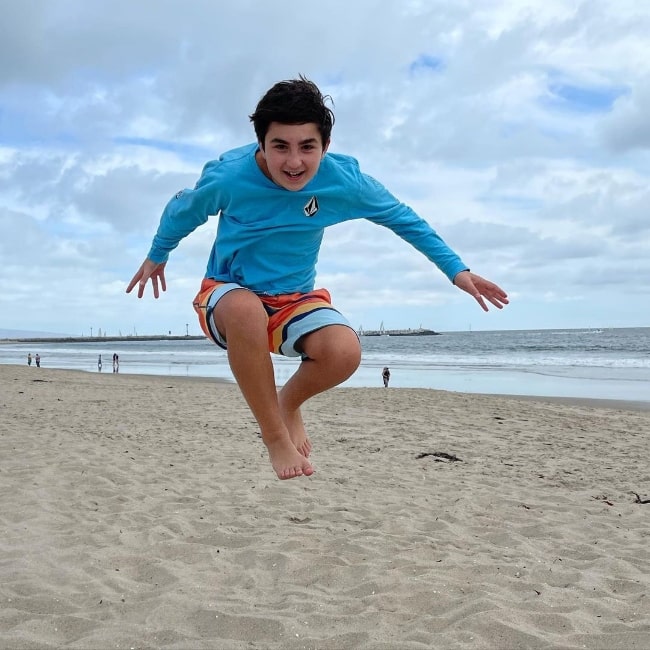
(183, 214)
(404, 222)
(382, 208)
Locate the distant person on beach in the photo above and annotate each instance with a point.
(274, 198)
(116, 362)
(99, 363)
(385, 375)
(37, 358)
(29, 358)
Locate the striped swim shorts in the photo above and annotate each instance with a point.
(291, 316)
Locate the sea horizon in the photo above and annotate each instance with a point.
(20, 335)
(605, 364)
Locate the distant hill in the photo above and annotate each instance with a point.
(28, 334)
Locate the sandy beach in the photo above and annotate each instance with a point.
(142, 512)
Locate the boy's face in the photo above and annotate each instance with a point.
(291, 154)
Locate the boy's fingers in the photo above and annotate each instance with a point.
(132, 284)
(480, 301)
(148, 271)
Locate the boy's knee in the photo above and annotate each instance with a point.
(239, 308)
(346, 357)
(336, 344)
(351, 350)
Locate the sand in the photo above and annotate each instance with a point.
(142, 512)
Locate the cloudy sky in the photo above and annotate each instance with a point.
(518, 129)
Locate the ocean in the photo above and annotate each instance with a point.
(587, 363)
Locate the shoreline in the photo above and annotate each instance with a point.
(588, 402)
(613, 366)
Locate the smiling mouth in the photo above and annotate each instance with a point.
(294, 174)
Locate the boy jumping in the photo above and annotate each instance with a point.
(274, 199)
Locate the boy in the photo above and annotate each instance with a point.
(274, 198)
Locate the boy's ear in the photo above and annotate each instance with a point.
(325, 147)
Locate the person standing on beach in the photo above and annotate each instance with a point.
(37, 358)
(274, 199)
(29, 358)
(385, 375)
(99, 363)
(116, 362)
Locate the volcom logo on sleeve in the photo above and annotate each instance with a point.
(311, 207)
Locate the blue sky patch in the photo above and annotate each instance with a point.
(518, 202)
(426, 63)
(187, 151)
(583, 99)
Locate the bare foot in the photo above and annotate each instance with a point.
(287, 461)
(293, 421)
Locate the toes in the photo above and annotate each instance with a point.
(291, 472)
(294, 472)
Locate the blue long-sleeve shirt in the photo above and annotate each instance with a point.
(268, 238)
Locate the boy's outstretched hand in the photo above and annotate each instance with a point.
(480, 288)
(149, 271)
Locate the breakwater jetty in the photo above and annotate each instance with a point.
(420, 331)
(102, 339)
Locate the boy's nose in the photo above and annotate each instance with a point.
(294, 159)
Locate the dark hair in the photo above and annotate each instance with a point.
(296, 101)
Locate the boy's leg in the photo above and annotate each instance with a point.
(334, 353)
(241, 318)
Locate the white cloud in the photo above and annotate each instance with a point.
(518, 130)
